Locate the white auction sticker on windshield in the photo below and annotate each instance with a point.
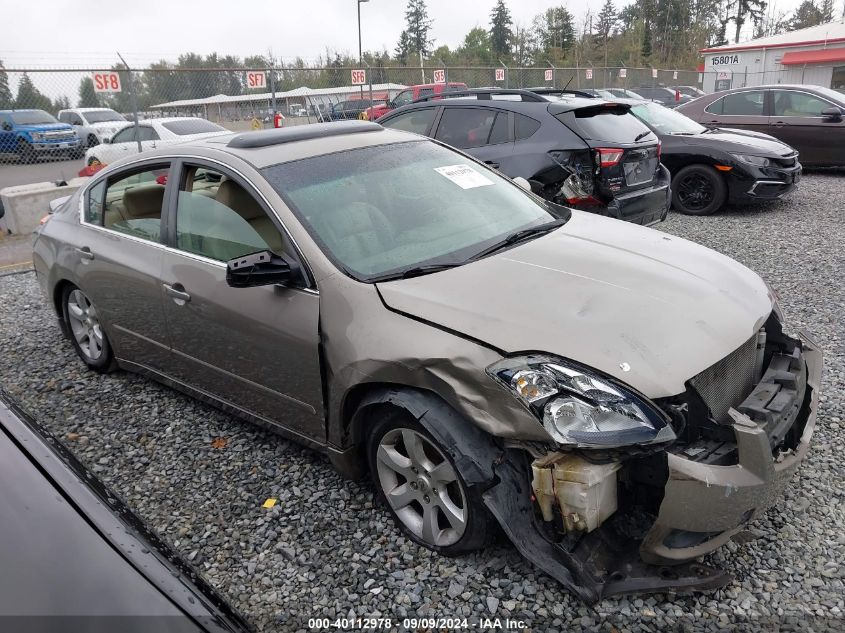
(464, 176)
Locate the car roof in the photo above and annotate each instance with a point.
(563, 103)
(21, 110)
(87, 109)
(289, 144)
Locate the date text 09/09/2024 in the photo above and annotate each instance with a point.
(416, 624)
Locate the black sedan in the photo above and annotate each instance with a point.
(75, 558)
(713, 166)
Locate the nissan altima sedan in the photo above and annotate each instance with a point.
(618, 400)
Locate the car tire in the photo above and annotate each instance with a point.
(423, 490)
(86, 330)
(698, 190)
(92, 141)
(26, 154)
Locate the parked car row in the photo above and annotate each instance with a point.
(620, 401)
(28, 135)
(605, 155)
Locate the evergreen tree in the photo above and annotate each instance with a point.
(6, 98)
(754, 9)
(500, 29)
(606, 20)
(476, 46)
(555, 29)
(418, 28)
(30, 97)
(61, 103)
(87, 97)
(404, 47)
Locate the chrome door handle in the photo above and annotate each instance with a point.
(85, 253)
(177, 293)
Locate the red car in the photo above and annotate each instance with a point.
(411, 93)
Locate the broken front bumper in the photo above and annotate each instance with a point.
(705, 505)
(702, 508)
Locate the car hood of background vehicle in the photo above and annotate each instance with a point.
(45, 127)
(740, 141)
(651, 309)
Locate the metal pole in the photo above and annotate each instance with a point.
(360, 54)
(133, 102)
(272, 88)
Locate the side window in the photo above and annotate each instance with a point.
(416, 121)
(94, 204)
(525, 126)
(133, 203)
(64, 117)
(465, 128)
(146, 133)
(219, 219)
(126, 135)
(500, 132)
(748, 103)
(793, 103)
(75, 119)
(424, 92)
(402, 98)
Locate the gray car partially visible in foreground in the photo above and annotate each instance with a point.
(618, 400)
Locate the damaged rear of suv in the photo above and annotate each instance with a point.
(579, 152)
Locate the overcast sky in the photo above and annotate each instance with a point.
(76, 34)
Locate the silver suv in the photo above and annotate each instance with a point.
(618, 400)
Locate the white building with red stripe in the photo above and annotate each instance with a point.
(815, 55)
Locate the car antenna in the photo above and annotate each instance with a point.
(569, 82)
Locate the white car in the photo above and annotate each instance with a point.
(93, 125)
(153, 133)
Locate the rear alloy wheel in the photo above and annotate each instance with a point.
(86, 332)
(423, 490)
(698, 190)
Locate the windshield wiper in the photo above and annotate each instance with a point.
(417, 271)
(642, 135)
(518, 236)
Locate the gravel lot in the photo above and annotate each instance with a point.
(325, 550)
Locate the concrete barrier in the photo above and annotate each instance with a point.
(25, 205)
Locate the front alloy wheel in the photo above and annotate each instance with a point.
(86, 331)
(423, 490)
(698, 190)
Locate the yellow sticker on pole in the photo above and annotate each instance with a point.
(269, 503)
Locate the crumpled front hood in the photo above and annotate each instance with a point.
(602, 292)
(739, 142)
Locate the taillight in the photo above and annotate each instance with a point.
(608, 156)
(44, 220)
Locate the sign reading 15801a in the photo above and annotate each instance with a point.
(724, 60)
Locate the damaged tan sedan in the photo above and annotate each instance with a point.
(620, 401)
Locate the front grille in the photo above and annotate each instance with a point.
(728, 382)
(58, 136)
(786, 161)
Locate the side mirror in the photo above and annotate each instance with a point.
(832, 112)
(260, 269)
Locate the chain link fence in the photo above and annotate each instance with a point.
(37, 105)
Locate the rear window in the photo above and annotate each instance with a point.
(603, 123)
(192, 126)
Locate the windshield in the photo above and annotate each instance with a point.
(664, 120)
(381, 210)
(32, 117)
(835, 95)
(101, 116)
(192, 126)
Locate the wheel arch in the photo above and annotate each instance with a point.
(471, 449)
(58, 293)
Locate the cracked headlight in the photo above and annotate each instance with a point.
(757, 161)
(579, 407)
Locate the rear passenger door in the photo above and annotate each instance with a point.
(485, 133)
(117, 260)
(745, 110)
(252, 348)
